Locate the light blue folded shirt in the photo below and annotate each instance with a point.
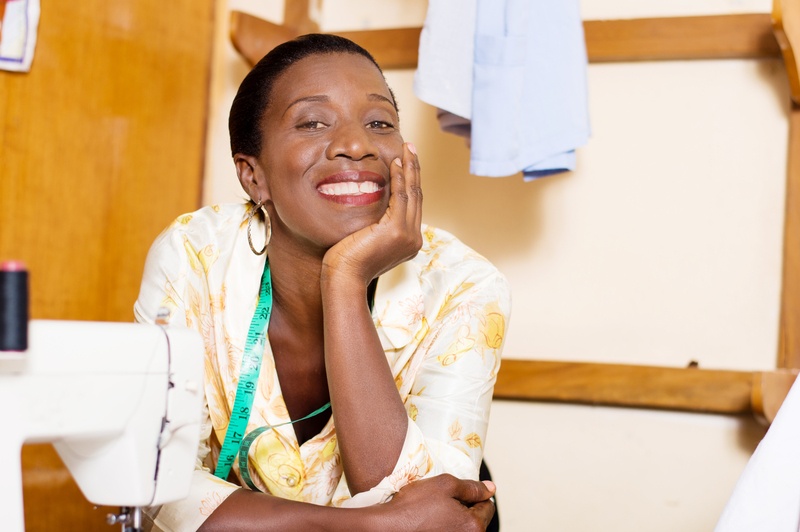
(510, 75)
(529, 94)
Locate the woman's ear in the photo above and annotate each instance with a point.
(251, 176)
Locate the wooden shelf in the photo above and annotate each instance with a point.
(687, 389)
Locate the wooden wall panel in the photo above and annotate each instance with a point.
(101, 145)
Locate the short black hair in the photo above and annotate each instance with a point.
(253, 96)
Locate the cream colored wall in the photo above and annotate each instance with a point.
(663, 247)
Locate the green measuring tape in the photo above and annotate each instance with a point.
(248, 377)
(235, 440)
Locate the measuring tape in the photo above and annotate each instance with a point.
(248, 377)
(235, 441)
(248, 440)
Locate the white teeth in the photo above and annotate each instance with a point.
(349, 188)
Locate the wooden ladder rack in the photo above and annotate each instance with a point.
(678, 38)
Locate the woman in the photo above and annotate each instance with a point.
(303, 405)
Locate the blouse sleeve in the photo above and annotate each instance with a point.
(163, 286)
(451, 374)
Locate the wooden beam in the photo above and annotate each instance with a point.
(686, 389)
(770, 388)
(708, 37)
(297, 16)
(789, 335)
(786, 26)
(678, 38)
(253, 37)
(392, 48)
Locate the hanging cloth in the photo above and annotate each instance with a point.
(511, 76)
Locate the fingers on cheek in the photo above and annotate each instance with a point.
(398, 173)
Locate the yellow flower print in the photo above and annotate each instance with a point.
(455, 430)
(193, 304)
(413, 411)
(413, 308)
(451, 299)
(218, 301)
(423, 330)
(207, 256)
(278, 407)
(430, 239)
(473, 440)
(210, 503)
(418, 465)
(185, 219)
(462, 344)
(493, 326)
(279, 466)
(191, 254)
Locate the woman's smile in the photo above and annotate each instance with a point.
(353, 188)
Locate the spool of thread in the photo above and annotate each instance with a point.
(13, 306)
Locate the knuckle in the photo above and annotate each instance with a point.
(447, 481)
(402, 196)
(471, 526)
(416, 191)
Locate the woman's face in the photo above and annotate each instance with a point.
(330, 135)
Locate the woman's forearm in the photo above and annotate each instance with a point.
(246, 511)
(370, 418)
(439, 503)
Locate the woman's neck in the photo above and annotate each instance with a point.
(296, 288)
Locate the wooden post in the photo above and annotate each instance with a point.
(786, 26)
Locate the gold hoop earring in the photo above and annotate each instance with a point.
(267, 222)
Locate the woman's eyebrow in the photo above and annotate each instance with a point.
(316, 98)
(379, 97)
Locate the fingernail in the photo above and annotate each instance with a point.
(489, 484)
(412, 148)
(398, 162)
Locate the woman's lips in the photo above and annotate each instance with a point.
(352, 188)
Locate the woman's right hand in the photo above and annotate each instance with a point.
(443, 502)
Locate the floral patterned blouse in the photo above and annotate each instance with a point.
(441, 318)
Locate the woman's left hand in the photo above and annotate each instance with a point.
(394, 239)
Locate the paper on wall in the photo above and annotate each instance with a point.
(18, 29)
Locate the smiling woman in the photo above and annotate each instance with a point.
(364, 380)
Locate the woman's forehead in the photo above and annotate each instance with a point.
(329, 73)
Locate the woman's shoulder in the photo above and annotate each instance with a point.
(211, 218)
(441, 250)
(207, 225)
(211, 231)
(445, 265)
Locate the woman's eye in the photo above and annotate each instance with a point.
(312, 124)
(379, 124)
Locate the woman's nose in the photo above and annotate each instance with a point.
(353, 141)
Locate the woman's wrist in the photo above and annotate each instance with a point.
(336, 281)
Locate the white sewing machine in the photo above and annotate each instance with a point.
(121, 404)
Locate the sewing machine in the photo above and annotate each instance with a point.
(121, 404)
